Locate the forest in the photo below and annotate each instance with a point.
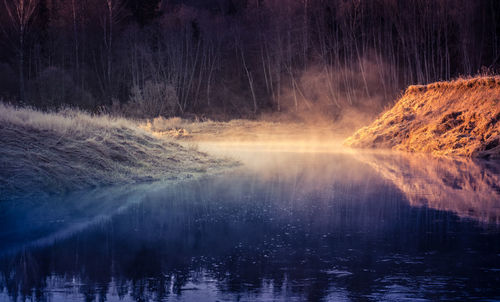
(238, 58)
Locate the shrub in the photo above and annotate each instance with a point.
(8, 82)
(153, 99)
(55, 88)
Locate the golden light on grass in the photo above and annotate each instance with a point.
(461, 117)
(263, 136)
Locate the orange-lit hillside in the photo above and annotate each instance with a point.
(461, 117)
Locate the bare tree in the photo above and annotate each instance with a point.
(253, 56)
(20, 14)
(112, 14)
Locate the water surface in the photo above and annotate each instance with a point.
(288, 225)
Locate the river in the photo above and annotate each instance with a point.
(289, 224)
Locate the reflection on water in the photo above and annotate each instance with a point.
(286, 226)
(468, 188)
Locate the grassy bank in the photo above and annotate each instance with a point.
(241, 130)
(460, 117)
(52, 153)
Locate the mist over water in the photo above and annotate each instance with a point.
(296, 222)
(195, 150)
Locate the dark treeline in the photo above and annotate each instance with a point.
(238, 57)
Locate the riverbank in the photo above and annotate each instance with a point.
(458, 118)
(53, 153)
(245, 131)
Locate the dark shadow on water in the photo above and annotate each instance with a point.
(290, 227)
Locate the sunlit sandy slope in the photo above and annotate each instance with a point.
(469, 188)
(445, 118)
(58, 152)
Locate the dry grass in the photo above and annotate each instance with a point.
(52, 153)
(241, 130)
(460, 117)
